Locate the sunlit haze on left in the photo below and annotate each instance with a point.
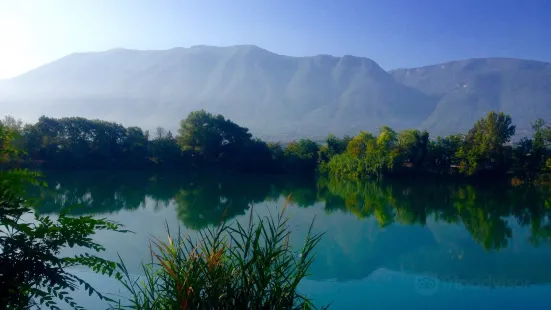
(15, 43)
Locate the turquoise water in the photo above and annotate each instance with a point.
(388, 245)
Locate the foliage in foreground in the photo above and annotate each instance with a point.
(32, 272)
(228, 267)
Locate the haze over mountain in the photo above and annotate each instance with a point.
(276, 96)
(468, 89)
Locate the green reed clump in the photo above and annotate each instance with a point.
(227, 267)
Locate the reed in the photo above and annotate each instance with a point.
(226, 267)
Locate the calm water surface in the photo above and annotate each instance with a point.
(388, 245)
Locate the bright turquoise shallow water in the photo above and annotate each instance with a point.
(388, 245)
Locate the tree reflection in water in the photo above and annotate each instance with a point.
(487, 211)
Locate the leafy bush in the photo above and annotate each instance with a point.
(32, 273)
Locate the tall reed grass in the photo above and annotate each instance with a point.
(226, 267)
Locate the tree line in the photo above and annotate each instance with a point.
(203, 140)
(208, 140)
(485, 150)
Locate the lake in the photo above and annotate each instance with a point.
(388, 245)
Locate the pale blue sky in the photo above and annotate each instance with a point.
(395, 33)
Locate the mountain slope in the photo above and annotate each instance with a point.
(274, 95)
(468, 89)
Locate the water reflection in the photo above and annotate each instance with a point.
(487, 211)
(457, 232)
(200, 200)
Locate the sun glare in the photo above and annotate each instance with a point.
(15, 44)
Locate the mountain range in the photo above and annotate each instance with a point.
(279, 97)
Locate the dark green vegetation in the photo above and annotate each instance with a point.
(203, 141)
(228, 267)
(33, 273)
(280, 97)
(207, 141)
(488, 210)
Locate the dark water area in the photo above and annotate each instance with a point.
(387, 244)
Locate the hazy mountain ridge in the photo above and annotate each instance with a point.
(278, 96)
(468, 89)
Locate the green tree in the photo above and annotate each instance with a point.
(14, 125)
(258, 157)
(107, 141)
(484, 148)
(333, 146)
(135, 146)
(382, 156)
(358, 145)
(301, 156)
(539, 146)
(413, 147)
(442, 154)
(367, 156)
(164, 149)
(530, 155)
(76, 142)
(212, 138)
(276, 150)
